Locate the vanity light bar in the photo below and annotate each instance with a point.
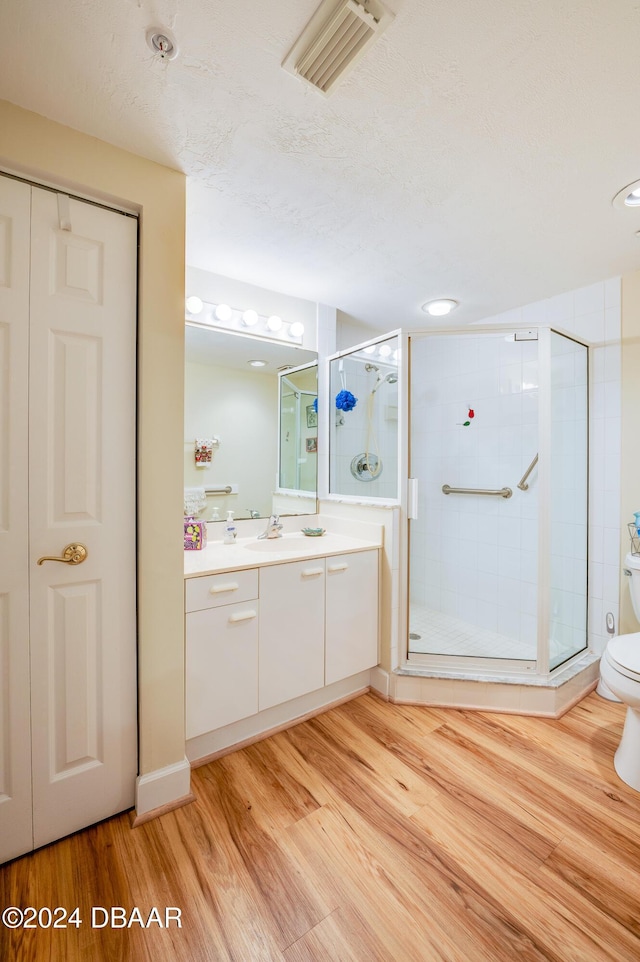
(228, 318)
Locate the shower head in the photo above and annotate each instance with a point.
(389, 378)
(371, 367)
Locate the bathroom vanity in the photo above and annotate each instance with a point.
(270, 621)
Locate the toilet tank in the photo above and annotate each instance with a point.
(632, 564)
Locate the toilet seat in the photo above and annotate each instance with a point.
(623, 654)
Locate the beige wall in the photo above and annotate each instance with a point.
(630, 467)
(49, 153)
(241, 408)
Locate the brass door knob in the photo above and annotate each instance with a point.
(73, 554)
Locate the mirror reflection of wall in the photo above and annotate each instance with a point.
(299, 429)
(364, 422)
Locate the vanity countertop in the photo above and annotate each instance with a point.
(217, 557)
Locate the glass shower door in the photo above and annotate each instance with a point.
(568, 461)
(473, 569)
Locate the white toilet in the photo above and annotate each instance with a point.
(620, 676)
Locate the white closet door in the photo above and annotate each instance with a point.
(82, 490)
(15, 756)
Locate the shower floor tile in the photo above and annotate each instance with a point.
(442, 634)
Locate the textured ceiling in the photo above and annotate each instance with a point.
(473, 153)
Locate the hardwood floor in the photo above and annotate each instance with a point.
(372, 833)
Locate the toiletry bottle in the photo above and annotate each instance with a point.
(230, 530)
(215, 516)
(636, 521)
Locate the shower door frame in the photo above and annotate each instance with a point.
(325, 492)
(479, 665)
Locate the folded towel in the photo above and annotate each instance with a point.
(194, 500)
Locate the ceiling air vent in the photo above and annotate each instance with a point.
(335, 38)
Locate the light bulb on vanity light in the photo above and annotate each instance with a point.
(274, 323)
(223, 312)
(384, 351)
(193, 304)
(249, 318)
(296, 329)
(370, 350)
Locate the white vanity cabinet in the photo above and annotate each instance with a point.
(256, 638)
(291, 630)
(222, 650)
(351, 614)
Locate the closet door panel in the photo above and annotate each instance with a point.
(82, 491)
(15, 756)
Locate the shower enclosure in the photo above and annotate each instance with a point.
(498, 429)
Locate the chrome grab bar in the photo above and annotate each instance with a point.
(523, 483)
(502, 492)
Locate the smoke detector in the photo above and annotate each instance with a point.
(337, 36)
(162, 42)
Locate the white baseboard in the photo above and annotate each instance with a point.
(164, 786)
(204, 748)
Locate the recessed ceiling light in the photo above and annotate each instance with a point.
(440, 307)
(258, 363)
(629, 196)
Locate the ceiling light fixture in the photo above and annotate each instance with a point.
(440, 307)
(296, 329)
(629, 196)
(257, 363)
(249, 318)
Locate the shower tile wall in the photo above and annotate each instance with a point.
(473, 557)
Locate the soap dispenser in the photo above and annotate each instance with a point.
(230, 530)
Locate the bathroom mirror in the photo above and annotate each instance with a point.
(234, 403)
(363, 454)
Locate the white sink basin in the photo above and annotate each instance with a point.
(279, 545)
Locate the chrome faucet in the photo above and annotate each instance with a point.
(273, 529)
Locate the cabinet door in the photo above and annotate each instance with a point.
(291, 631)
(351, 614)
(222, 666)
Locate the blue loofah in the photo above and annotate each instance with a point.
(345, 401)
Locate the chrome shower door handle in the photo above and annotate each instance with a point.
(73, 554)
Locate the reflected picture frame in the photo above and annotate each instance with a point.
(312, 417)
